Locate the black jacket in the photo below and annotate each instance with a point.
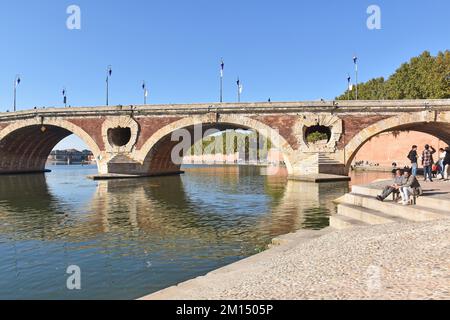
(413, 156)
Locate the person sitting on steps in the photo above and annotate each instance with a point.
(394, 188)
(411, 187)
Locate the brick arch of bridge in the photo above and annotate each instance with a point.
(156, 153)
(439, 128)
(25, 145)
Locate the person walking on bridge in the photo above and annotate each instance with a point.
(427, 162)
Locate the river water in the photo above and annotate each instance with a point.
(134, 237)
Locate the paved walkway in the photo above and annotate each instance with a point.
(396, 261)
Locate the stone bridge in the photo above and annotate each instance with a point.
(140, 140)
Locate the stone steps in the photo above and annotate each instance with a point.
(340, 222)
(361, 208)
(424, 201)
(369, 216)
(325, 159)
(414, 213)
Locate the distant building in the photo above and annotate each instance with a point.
(71, 156)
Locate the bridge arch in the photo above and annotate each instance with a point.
(26, 144)
(438, 127)
(155, 154)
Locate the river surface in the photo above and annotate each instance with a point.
(134, 237)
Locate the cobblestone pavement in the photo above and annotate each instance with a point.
(396, 261)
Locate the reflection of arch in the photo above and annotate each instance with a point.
(408, 122)
(26, 144)
(26, 193)
(307, 205)
(156, 152)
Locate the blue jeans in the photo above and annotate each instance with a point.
(441, 164)
(428, 172)
(414, 169)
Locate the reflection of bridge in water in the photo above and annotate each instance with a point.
(144, 234)
(168, 208)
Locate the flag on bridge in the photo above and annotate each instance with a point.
(222, 68)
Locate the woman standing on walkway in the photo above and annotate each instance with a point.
(442, 154)
(446, 163)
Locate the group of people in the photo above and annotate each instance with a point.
(440, 167)
(405, 185)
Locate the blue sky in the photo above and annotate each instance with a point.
(285, 50)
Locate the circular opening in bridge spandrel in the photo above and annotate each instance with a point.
(119, 137)
(317, 134)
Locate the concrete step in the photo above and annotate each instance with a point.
(368, 191)
(412, 213)
(327, 160)
(427, 200)
(369, 216)
(343, 222)
(433, 202)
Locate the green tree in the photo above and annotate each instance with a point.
(423, 77)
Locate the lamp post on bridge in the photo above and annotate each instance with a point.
(349, 86)
(108, 75)
(144, 87)
(239, 89)
(355, 61)
(16, 84)
(222, 68)
(64, 93)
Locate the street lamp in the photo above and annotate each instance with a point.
(222, 68)
(64, 93)
(16, 84)
(355, 61)
(108, 75)
(144, 88)
(239, 89)
(349, 86)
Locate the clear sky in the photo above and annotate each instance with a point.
(285, 50)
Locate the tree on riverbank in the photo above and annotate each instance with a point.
(229, 142)
(423, 77)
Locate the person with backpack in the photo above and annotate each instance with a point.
(412, 156)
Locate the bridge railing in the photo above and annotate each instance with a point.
(373, 106)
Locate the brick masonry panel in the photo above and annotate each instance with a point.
(149, 126)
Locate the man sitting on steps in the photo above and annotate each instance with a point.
(411, 187)
(395, 187)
